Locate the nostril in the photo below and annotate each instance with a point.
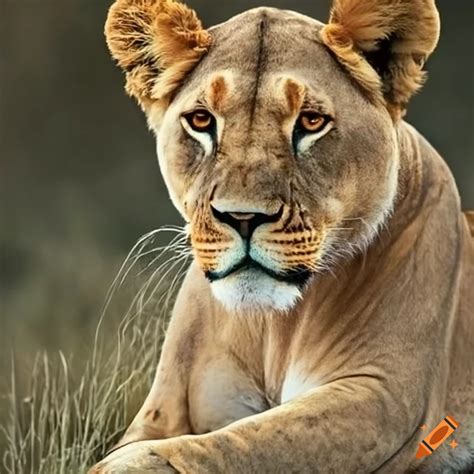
(245, 223)
(237, 220)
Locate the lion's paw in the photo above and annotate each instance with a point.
(134, 458)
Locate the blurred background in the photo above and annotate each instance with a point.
(79, 178)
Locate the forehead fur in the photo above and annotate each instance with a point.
(262, 34)
(219, 90)
(295, 93)
(382, 45)
(280, 62)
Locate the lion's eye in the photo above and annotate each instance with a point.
(312, 122)
(200, 121)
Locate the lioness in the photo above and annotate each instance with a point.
(328, 313)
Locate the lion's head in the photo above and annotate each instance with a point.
(277, 134)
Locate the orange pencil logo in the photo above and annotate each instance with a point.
(437, 437)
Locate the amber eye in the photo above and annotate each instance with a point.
(312, 122)
(200, 121)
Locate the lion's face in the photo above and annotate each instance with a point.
(276, 133)
(275, 158)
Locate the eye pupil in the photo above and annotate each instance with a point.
(200, 121)
(312, 122)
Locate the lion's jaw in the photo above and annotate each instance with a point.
(252, 291)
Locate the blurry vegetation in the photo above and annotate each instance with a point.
(68, 413)
(79, 184)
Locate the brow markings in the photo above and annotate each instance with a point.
(295, 94)
(218, 91)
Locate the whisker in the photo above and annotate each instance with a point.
(142, 302)
(176, 241)
(129, 262)
(339, 228)
(176, 248)
(143, 299)
(137, 301)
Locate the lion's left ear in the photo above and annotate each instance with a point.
(394, 37)
(156, 43)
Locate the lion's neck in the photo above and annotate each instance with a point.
(422, 174)
(410, 179)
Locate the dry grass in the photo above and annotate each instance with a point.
(72, 413)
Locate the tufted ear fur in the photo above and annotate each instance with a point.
(384, 45)
(156, 43)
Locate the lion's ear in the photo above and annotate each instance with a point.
(156, 43)
(394, 36)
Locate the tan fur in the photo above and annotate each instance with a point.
(411, 28)
(156, 42)
(353, 324)
(295, 96)
(218, 93)
(209, 239)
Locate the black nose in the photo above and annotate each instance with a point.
(246, 222)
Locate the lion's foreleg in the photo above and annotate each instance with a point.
(345, 426)
(165, 412)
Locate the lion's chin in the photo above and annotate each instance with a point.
(250, 290)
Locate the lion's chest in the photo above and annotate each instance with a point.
(224, 393)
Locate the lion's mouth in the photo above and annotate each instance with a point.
(298, 276)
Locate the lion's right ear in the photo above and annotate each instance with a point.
(156, 43)
(384, 45)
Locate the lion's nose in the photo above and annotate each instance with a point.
(245, 223)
